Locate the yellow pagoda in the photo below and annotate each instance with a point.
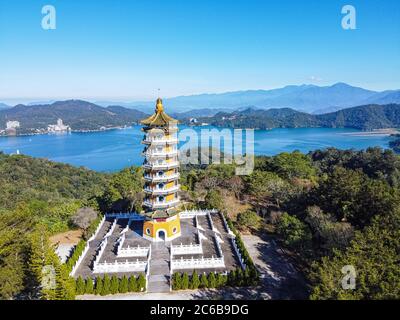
(161, 175)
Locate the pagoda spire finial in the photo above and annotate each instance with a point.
(159, 105)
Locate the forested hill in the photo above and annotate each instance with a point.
(367, 117)
(78, 114)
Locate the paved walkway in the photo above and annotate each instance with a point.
(159, 268)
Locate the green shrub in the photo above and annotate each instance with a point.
(89, 288)
(80, 286)
(124, 285)
(212, 281)
(185, 281)
(132, 287)
(221, 280)
(99, 285)
(232, 278)
(203, 281)
(141, 282)
(176, 281)
(106, 286)
(248, 219)
(195, 281)
(114, 287)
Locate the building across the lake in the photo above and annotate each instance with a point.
(59, 127)
(162, 239)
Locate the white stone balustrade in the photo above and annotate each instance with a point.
(100, 253)
(183, 249)
(192, 213)
(127, 266)
(130, 251)
(81, 257)
(78, 262)
(238, 254)
(226, 225)
(201, 263)
(213, 228)
(218, 242)
(110, 232)
(97, 229)
(130, 216)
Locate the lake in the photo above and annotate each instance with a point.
(115, 149)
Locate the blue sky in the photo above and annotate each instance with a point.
(124, 50)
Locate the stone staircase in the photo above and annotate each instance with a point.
(159, 276)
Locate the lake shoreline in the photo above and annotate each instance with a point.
(111, 150)
(377, 132)
(66, 132)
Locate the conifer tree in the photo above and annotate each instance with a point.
(203, 281)
(221, 279)
(132, 284)
(123, 285)
(177, 281)
(114, 288)
(246, 277)
(194, 284)
(212, 281)
(99, 285)
(232, 278)
(80, 286)
(89, 289)
(106, 285)
(185, 281)
(42, 262)
(141, 283)
(239, 277)
(65, 285)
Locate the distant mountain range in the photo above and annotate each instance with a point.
(307, 98)
(85, 116)
(367, 117)
(4, 106)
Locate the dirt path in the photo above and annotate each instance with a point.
(71, 237)
(280, 280)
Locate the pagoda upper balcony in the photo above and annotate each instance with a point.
(161, 204)
(157, 141)
(162, 191)
(164, 178)
(161, 165)
(160, 153)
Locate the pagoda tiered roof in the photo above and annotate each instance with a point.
(159, 118)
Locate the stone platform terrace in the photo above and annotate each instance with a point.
(206, 245)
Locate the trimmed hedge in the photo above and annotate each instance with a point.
(106, 285)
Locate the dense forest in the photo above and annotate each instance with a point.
(40, 198)
(328, 209)
(364, 118)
